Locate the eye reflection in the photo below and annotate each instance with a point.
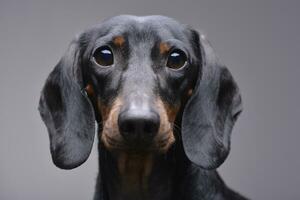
(177, 59)
(103, 56)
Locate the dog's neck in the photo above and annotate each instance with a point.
(144, 176)
(155, 177)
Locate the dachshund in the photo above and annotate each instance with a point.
(161, 103)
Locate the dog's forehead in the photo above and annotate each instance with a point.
(132, 26)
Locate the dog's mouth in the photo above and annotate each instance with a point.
(135, 160)
(160, 144)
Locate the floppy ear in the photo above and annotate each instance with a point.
(211, 112)
(67, 112)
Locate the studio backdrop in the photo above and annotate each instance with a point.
(258, 40)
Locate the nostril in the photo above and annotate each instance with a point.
(126, 126)
(151, 125)
(135, 124)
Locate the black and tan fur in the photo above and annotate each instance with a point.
(197, 106)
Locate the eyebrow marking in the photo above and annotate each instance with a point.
(119, 40)
(163, 48)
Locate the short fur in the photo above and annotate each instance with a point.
(197, 106)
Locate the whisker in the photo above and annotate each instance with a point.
(176, 129)
(176, 126)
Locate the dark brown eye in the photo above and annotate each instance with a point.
(103, 56)
(176, 59)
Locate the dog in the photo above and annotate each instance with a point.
(163, 104)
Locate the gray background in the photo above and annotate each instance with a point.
(257, 39)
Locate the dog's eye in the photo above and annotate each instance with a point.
(176, 59)
(103, 56)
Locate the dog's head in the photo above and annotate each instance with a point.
(140, 78)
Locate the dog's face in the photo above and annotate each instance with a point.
(140, 72)
(140, 78)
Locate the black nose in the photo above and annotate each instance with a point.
(138, 125)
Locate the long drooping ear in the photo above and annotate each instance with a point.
(211, 112)
(67, 112)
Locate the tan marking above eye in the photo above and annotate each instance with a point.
(163, 48)
(119, 40)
